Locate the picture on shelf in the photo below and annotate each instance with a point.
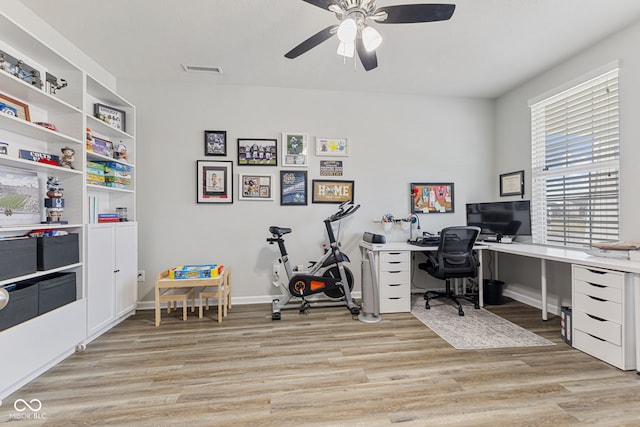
(111, 116)
(14, 107)
(19, 197)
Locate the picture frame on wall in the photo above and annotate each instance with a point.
(294, 149)
(257, 152)
(255, 186)
(512, 184)
(112, 116)
(214, 181)
(332, 147)
(21, 109)
(332, 191)
(437, 197)
(215, 143)
(293, 187)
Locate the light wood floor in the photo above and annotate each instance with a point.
(325, 369)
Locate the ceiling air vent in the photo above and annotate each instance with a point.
(201, 69)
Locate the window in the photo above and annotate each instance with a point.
(575, 164)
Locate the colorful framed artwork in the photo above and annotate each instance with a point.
(15, 107)
(432, 197)
(294, 149)
(293, 187)
(255, 186)
(332, 191)
(215, 143)
(338, 147)
(512, 184)
(111, 116)
(257, 152)
(20, 199)
(214, 181)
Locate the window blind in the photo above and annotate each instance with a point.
(575, 164)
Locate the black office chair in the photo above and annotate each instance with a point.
(455, 258)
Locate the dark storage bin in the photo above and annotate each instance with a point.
(22, 306)
(57, 251)
(492, 291)
(56, 290)
(17, 257)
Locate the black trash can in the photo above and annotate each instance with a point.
(492, 291)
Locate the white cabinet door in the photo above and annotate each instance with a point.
(100, 266)
(126, 267)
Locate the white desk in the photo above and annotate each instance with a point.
(402, 251)
(570, 256)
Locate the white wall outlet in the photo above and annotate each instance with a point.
(141, 276)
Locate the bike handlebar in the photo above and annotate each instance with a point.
(342, 213)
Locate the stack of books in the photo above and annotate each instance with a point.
(108, 217)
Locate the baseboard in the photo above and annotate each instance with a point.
(531, 301)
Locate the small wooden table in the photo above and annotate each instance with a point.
(222, 281)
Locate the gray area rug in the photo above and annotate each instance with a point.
(477, 329)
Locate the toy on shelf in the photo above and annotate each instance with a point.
(55, 202)
(67, 157)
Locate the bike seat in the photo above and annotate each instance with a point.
(279, 231)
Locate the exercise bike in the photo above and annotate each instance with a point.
(328, 275)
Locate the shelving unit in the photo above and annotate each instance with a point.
(31, 347)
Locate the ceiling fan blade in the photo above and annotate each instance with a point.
(311, 42)
(369, 59)
(323, 4)
(414, 13)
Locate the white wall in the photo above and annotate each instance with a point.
(513, 141)
(395, 140)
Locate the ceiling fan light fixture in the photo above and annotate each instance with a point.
(347, 31)
(347, 49)
(371, 39)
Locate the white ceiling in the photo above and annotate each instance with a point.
(487, 48)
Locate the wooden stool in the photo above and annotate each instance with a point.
(173, 295)
(221, 292)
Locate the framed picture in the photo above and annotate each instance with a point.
(332, 191)
(332, 147)
(294, 149)
(214, 181)
(16, 108)
(293, 188)
(257, 152)
(111, 116)
(432, 197)
(255, 187)
(215, 143)
(512, 184)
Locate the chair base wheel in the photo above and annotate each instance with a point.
(460, 312)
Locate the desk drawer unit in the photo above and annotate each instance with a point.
(394, 275)
(603, 319)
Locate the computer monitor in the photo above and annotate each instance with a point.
(501, 218)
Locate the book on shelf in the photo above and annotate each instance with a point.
(102, 220)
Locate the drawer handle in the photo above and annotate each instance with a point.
(595, 317)
(394, 262)
(394, 253)
(596, 298)
(395, 284)
(597, 271)
(395, 298)
(599, 339)
(597, 285)
(395, 271)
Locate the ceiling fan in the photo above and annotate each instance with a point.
(355, 32)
